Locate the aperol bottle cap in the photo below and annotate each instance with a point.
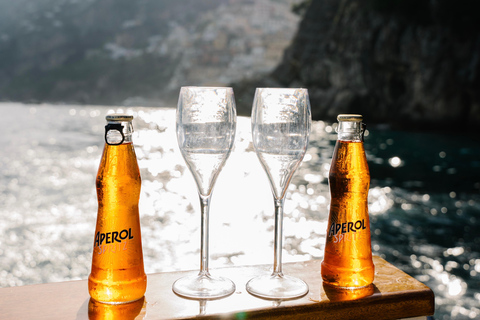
(119, 117)
(349, 117)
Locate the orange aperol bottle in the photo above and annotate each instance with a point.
(348, 261)
(117, 274)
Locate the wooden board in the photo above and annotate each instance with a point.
(394, 295)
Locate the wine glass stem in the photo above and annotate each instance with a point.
(205, 208)
(277, 261)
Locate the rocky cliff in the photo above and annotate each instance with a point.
(406, 63)
(123, 52)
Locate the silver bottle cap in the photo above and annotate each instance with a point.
(350, 117)
(119, 117)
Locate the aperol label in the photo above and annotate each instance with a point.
(346, 227)
(112, 237)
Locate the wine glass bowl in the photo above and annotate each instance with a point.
(205, 123)
(281, 123)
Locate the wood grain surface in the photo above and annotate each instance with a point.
(393, 295)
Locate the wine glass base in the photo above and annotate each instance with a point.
(203, 286)
(277, 287)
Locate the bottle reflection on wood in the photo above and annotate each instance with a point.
(344, 294)
(117, 274)
(128, 311)
(348, 254)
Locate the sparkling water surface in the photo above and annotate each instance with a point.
(424, 201)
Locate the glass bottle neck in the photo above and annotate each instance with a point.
(350, 131)
(118, 132)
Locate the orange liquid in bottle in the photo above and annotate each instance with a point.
(118, 274)
(348, 255)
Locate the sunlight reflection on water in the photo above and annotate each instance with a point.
(48, 205)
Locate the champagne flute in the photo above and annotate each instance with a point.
(281, 122)
(206, 121)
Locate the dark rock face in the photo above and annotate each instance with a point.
(410, 64)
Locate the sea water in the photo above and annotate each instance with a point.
(424, 201)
